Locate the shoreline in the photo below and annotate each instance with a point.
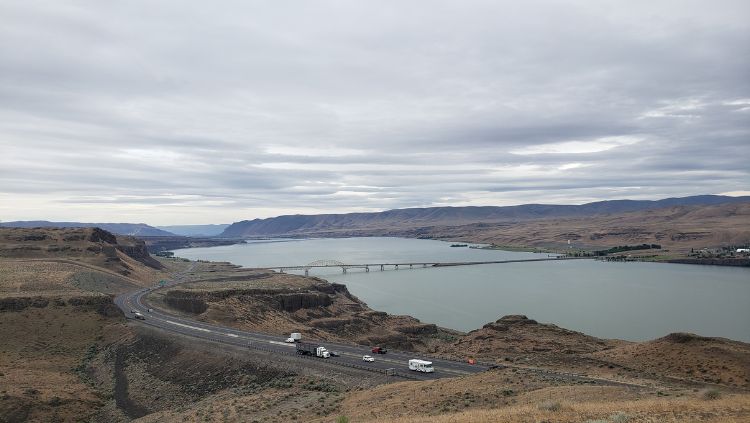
(158, 244)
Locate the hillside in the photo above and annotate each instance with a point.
(411, 219)
(93, 246)
(57, 313)
(677, 228)
(131, 229)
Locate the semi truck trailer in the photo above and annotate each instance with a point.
(306, 348)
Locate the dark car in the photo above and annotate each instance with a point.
(334, 353)
(379, 350)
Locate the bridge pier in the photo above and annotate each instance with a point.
(396, 267)
(424, 265)
(344, 269)
(281, 270)
(382, 267)
(411, 266)
(307, 271)
(367, 268)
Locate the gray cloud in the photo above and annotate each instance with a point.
(184, 113)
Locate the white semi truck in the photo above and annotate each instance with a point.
(305, 348)
(421, 365)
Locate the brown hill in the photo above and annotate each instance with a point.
(677, 228)
(94, 246)
(516, 335)
(405, 219)
(686, 356)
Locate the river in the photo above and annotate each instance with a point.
(631, 301)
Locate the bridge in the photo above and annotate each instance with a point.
(404, 265)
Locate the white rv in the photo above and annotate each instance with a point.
(421, 365)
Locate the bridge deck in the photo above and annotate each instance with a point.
(423, 264)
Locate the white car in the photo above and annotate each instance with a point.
(290, 340)
(368, 358)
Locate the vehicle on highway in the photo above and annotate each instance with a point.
(368, 358)
(379, 350)
(421, 365)
(139, 316)
(294, 337)
(150, 310)
(305, 348)
(133, 311)
(334, 353)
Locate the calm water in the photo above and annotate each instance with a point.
(634, 301)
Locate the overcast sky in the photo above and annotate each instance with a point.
(211, 112)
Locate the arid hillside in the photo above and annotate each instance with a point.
(675, 228)
(120, 254)
(403, 219)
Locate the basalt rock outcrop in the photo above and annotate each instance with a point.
(274, 299)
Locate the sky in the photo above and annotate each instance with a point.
(188, 112)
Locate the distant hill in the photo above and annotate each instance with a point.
(298, 225)
(195, 230)
(130, 229)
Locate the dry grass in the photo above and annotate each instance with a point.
(705, 360)
(25, 278)
(39, 350)
(731, 409)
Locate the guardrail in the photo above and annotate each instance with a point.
(387, 372)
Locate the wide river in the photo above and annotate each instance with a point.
(632, 301)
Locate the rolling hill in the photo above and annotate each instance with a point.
(388, 221)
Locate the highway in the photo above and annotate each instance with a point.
(350, 355)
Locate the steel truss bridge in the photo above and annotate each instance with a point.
(345, 267)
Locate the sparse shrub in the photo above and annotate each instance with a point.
(550, 406)
(31, 392)
(342, 419)
(619, 418)
(711, 394)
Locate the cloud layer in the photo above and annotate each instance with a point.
(185, 112)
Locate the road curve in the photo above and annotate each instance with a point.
(350, 355)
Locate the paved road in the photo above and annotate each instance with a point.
(350, 356)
